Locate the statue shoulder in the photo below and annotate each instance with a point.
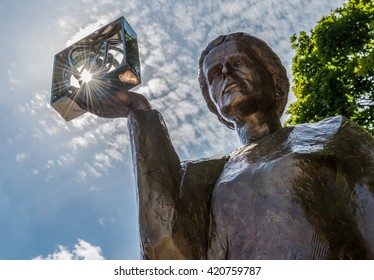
(335, 125)
(328, 126)
(351, 138)
(203, 171)
(200, 176)
(336, 134)
(312, 137)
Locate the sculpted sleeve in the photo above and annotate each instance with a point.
(354, 148)
(157, 171)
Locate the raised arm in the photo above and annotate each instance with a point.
(157, 169)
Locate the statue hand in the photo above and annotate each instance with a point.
(114, 105)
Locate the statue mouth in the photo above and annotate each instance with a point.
(232, 87)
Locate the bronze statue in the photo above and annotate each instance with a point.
(301, 192)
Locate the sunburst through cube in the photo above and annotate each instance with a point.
(101, 63)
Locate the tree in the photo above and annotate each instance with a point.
(333, 68)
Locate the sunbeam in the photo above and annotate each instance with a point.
(86, 76)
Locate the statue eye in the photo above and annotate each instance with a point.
(238, 62)
(214, 74)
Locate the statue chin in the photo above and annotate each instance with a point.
(234, 105)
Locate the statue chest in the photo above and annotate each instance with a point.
(260, 206)
(295, 194)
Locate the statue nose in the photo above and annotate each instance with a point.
(228, 70)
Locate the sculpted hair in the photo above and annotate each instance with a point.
(265, 55)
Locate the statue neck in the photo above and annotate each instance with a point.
(256, 126)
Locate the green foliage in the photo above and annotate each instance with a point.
(333, 67)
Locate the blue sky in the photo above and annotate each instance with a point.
(67, 189)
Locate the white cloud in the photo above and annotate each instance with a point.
(92, 170)
(65, 159)
(93, 189)
(66, 22)
(81, 251)
(77, 143)
(14, 80)
(83, 175)
(115, 154)
(103, 158)
(21, 156)
(82, 121)
(62, 254)
(102, 221)
(86, 251)
(50, 164)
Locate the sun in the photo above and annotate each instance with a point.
(86, 76)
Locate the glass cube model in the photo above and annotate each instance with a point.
(106, 60)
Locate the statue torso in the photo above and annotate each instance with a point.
(285, 197)
(302, 192)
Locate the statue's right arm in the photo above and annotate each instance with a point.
(157, 170)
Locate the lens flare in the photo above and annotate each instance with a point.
(86, 76)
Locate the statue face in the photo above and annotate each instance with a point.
(238, 84)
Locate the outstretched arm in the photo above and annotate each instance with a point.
(157, 169)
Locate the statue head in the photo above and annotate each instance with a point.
(260, 53)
